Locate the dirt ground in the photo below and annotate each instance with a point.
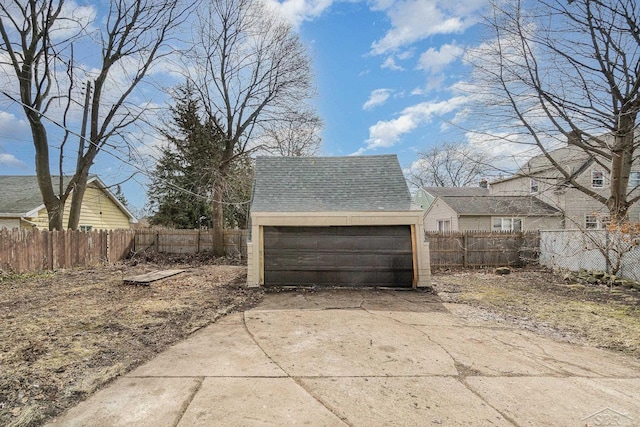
(65, 334)
(543, 302)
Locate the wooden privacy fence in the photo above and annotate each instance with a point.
(478, 249)
(24, 251)
(190, 241)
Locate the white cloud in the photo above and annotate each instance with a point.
(298, 11)
(11, 161)
(435, 60)
(376, 98)
(73, 19)
(390, 63)
(387, 133)
(414, 20)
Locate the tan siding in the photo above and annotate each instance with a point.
(42, 220)
(440, 211)
(98, 211)
(474, 223)
(542, 223)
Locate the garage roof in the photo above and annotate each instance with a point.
(334, 184)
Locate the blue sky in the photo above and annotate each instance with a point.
(386, 73)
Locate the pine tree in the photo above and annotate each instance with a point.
(181, 191)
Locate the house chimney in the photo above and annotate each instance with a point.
(484, 183)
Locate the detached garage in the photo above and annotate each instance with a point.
(335, 221)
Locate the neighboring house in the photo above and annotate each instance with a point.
(490, 213)
(342, 221)
(539, 179)
(21, 206)
(424, 196)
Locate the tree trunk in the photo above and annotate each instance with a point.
(621, 162)
(218, 218)
(54, 205)
(76, 199)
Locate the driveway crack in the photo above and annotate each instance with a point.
(288, 375)
(187, 403)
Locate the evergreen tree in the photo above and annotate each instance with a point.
(180, 193)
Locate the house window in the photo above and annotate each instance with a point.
(533, 186)
(507, 224)
(596, 222)
(86, 227)
(597, 179)
(444, 225)
(634, 179)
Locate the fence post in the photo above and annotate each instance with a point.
(465, 258)
(607, 258)
(198, 242)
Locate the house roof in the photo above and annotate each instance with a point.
(457, 191)
(334, 184)
(20, 195)
(499, 205)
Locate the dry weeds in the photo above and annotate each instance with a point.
(542, 301)
(66, 334)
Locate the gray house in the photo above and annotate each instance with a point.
(490, 213)
(344, 221)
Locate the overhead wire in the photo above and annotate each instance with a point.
(118, 157)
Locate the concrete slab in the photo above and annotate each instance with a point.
(407, 362)
(433, 318)
(346, 343)
(256, 402)
(404, 401)
(223, 349)
(311, 300)
(516, 352)
(141, 402)
(543, 401)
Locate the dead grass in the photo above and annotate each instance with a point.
(66, 334)
(542, 301)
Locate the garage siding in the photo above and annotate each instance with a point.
(338, 256)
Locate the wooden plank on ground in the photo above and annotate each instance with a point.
(145, 279)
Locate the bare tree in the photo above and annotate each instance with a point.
(566, 70)
(295, 136)
(449, 165)
(250, 70)
(38, 41)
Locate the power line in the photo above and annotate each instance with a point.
(127, 162)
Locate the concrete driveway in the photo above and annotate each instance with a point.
(368, 358)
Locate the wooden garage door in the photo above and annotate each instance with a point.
(338, 256)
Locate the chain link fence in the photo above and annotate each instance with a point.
(600, 250)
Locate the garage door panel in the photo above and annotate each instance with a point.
(342, 256)
(291, 259)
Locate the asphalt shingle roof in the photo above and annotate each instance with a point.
(457, 191)
(499, 205)
(19, 194)
(335, 184)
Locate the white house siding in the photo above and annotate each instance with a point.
(9, 223)
(475, 223)
(483, 223)
(440, 211)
